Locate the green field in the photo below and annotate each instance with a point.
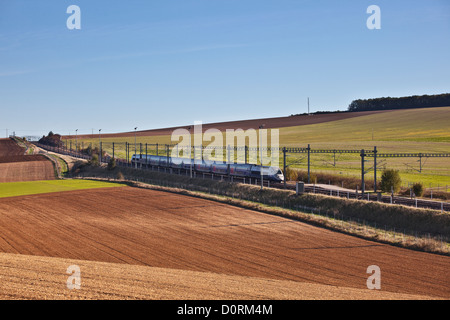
(404, 131)
(12, 189)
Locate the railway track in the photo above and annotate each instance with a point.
(412, 202)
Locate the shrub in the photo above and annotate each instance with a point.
(111, 164)
(390, 180)
(418, 189)
(94, 161)
(291, 174)
(120, 176)
(88, 150)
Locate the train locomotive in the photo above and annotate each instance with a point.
(212, 167)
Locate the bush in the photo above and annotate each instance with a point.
(291, 174)
(390, 180)
(94, 161)
(418, 189)
(111, 164)
(120, 176)
(88, 150)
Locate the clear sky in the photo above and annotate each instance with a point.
(155, 63)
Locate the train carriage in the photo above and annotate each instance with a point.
(215, 167)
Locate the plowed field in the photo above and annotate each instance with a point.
(156, 229)
(9, 148)
(16, 166)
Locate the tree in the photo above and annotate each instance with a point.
(390, 180)
(389, 103)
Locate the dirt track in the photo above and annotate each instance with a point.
(16, 166)
(164, 230)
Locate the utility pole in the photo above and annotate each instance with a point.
(309, 164)
(168, 156)
(135, 162)
(99, 146)
(362, 172)
(284, 166)
(261, 154)
(229, 161)
(420, 162)
(375, 169)
(190, 160)
(308, 106)
(76, 140)
(245, 154)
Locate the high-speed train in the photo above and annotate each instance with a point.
(216, 167)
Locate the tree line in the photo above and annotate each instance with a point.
(388, 103)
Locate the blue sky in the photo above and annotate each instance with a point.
(154, 64)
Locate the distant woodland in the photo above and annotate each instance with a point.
(425, 101)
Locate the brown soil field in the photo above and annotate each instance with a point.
(154, 229)
(15, 166)
(37, 277)
(269, 123)
(26, 171)
(9, 148)
(22, 158)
